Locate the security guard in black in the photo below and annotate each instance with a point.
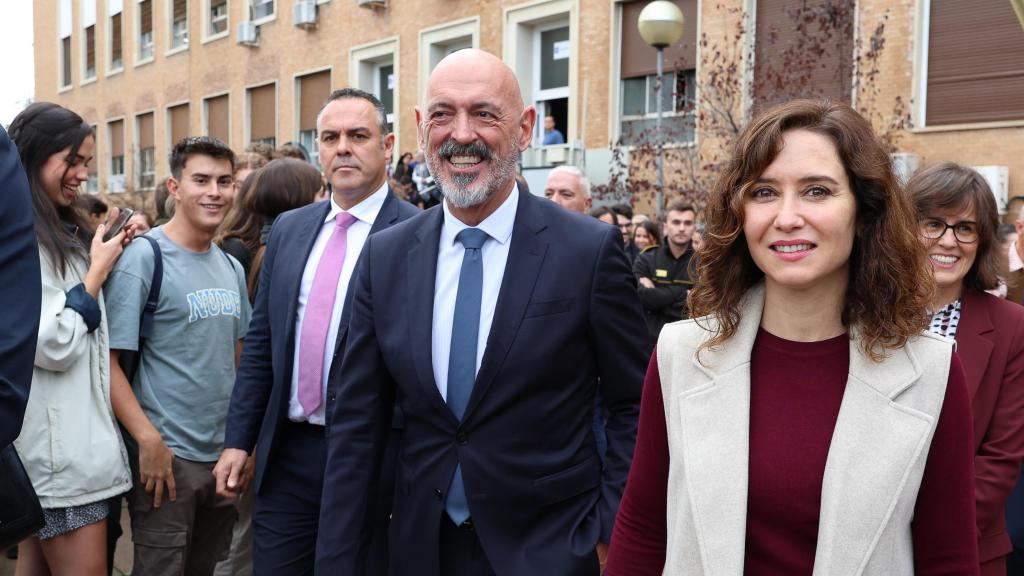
(662, 271)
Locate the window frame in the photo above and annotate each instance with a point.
(171, 48)
(208, 6)
(138, 58)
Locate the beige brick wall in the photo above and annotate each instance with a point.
(222, 65)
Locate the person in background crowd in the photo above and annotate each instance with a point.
(95, 209)
(552, 135)
(421, 175)
(812, 294)
(1015, 254)
(638, 218)
(624, 220)
(959, 222)
(1013, 209)
(403, 170)
(609, 215)
(568, 187)
(164, 204)
(282, 185)
(69, 443)
(646, 235)
(175, 408)
(498, 466)
(293, 150)
(140, 223)
(698, 238)
(283, 390)
(663, 272)
(246, 163)
(19, 282)
(239, 235)
(288, 186)
(263, 149)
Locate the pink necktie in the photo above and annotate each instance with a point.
(316, 321)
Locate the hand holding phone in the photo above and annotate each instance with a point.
(119, 223)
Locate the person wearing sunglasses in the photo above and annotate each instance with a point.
(959, 224)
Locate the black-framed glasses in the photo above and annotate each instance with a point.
(964, 231)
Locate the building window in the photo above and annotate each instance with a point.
(114, 9)
(147, 152)
(974, 70)
(541, 45)
(178, 121)
(64, 16)
(88, 18)
(375, 69)
(179, 24)
(263, 114)
(439, 41)
(115, 136)
(384, 89)
(638, 73)
(313, 90)
(217, 118)
(92, 185)
(551, 53)
(803, 50)
(145, 27)
(217, 18)
(262, 9)
(639, 108)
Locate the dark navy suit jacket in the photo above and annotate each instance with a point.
(21, 290)
(567, 321)
(259, 401)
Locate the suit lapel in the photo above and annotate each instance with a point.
(972, 341)
(875, 442)
(421, 267)
(386, 217)
(294, 263)
(525, 255)
(713, 412)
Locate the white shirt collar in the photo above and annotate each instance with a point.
(366, 210)
(498, 225)
(1016, 263)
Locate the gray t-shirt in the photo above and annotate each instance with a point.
(187, 368)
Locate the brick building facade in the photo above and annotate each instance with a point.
(147, 72)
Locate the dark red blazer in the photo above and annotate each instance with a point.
(990, 343)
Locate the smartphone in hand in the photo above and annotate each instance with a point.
(118, 225)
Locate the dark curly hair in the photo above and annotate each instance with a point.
(890, 283)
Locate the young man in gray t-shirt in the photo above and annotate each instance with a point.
(176, 405)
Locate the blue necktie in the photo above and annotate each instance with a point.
(462, 357)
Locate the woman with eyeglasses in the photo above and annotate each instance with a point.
(959, 227)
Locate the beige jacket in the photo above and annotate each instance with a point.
(69, 443)
(883, 433)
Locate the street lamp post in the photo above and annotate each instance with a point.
(661, 25)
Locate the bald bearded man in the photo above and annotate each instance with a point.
(527, 310)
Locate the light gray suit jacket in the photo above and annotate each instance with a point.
(875, 461)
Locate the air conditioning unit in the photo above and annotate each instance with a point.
(373, 4)
(248, 34)
(904, 165)
(304, 14)
(998, 178)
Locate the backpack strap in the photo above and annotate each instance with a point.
(149, 310)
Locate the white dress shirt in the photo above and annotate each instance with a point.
(1016, 262)
(365, 213)
(494, 254)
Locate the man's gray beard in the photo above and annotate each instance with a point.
(460, 192)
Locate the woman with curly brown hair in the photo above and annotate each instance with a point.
(803, 422)
(959, 227)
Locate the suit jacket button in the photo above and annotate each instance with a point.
(331, 397)
(461, 438)
(438, 493)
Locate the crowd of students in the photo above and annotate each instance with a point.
(813, 418)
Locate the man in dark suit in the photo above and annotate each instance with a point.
(493, 319)
(282, 394)
(19, 279)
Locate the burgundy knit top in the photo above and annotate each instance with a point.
(796, 389)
